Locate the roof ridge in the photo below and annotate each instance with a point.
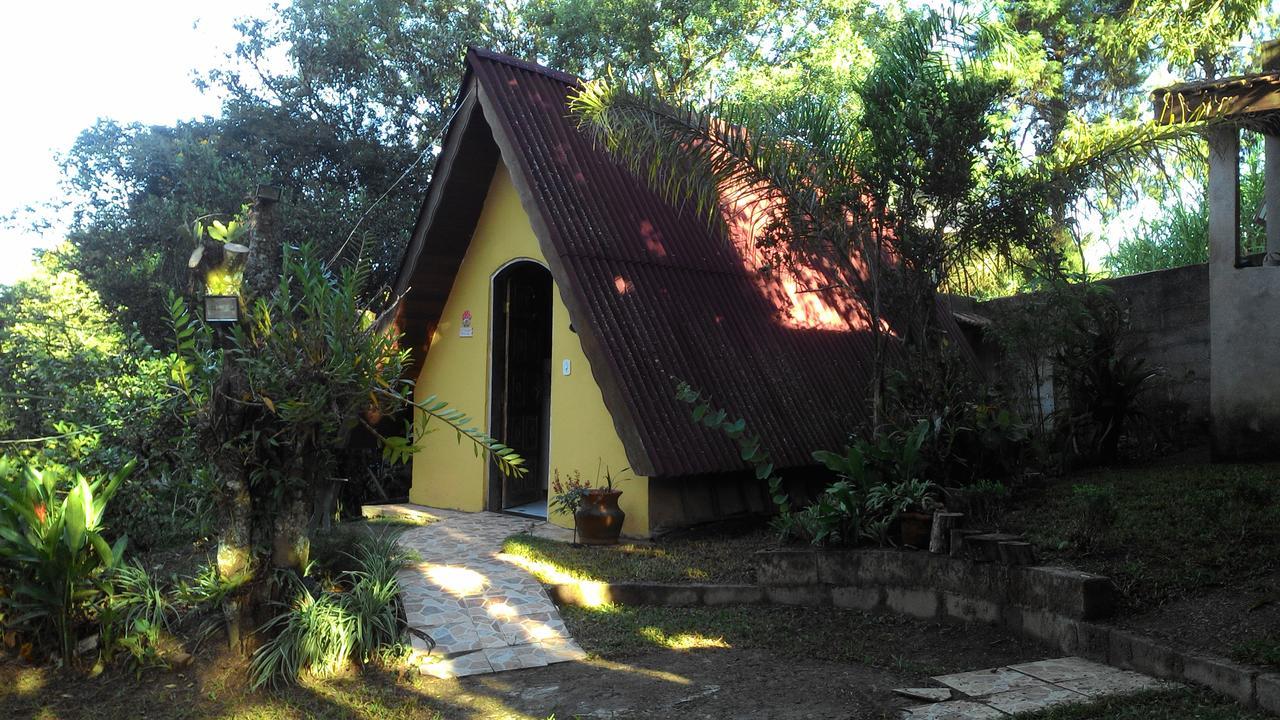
(495, 56)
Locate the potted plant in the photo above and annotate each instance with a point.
(915, 519)
(599, 519)
(909, 504)
(568, 495)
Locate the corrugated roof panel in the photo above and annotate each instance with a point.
(665, 297)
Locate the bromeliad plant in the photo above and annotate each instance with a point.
(53, 556)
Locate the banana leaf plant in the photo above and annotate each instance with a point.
(52, 553)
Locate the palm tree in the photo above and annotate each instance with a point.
(892, 196)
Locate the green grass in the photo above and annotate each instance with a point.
(1158, 705)
(1177, 529)
(703, 560)
(832, 634)
(1259, 651)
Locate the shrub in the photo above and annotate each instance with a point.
(52, 551)
(879, 481)
(137, 609)
(1093, 509)
(324, 630)
(984, 502)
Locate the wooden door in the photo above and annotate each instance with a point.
(522, 382)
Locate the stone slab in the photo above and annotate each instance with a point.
(1057, 670)
(927, 694)
(1231, 679)
(987, 682)
(1116, 682)
(786, 567)
(1032, 698)
(954, 710)
(1267, 692)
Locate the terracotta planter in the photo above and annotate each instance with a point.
(914, 529)
(600, 519)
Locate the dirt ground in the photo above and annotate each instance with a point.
(705, 683)
(851, 675)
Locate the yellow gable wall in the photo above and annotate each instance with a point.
(447, 474)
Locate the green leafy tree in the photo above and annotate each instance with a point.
(272, 401)
(1180, 235)
(342, 103)
(78, 389)
(886, 199)
(139, 190)
(1206, 38)
(685, 48)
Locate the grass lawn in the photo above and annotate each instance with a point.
(215, 688)
(886, 641)
(1159, 705)
(714, 559)
(1178, 529)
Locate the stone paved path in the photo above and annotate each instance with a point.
(485, 615)
(1000, 692)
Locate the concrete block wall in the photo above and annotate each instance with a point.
(928, 586)
(1169, 327)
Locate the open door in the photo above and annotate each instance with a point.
(521, 384)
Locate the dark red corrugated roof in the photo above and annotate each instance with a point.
(653, 292)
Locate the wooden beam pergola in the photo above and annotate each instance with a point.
(1247, 100)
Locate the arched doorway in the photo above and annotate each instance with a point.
(520, 385)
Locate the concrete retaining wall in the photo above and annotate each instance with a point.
(927, 585)
(1054, 606)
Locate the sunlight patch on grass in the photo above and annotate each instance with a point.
(547, 572)
(722, 559)
(29, 682)
(681, 641)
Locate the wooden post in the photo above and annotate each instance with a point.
(1271, 191)
(986, 547)
(1013, 552)
(958, 547)
(940, 538)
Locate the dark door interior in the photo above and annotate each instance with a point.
(521, 380)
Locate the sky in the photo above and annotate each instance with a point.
(66, 63)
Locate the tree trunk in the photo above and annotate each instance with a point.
(262, 268)
(943, 524)
(235, 544)
(227, 419)
(291, 541)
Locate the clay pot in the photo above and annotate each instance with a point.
(914, 529)
(600, 519)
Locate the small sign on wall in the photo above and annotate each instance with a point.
(465, 330)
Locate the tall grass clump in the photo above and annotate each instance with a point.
(322, 631)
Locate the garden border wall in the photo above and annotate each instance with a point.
(1048, 604)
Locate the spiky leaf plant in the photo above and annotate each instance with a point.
(323, 631)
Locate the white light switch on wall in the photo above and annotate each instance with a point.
(564, 366)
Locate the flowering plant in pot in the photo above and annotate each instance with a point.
(568, 496)
(597, 519)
